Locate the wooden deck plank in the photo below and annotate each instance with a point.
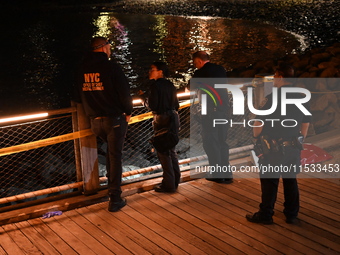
(180, 243)
(177, 225)
(7, 243)
(52, 237)
(214, 209)
(220, 228)
(139, 227)
(308, 191)
(267, 237)
(95, 229)
(143, 240)
(313, 206)
(97, 215)
(251, 201)
(218, 238)
(86, 237)
(297, 246)
(2, 251)
(164, 226)
(307, 223)
(320, 184)
(242, 202)
(191, 223)
(201, 218)
(21, 240)
(35, 237)
(76, 243)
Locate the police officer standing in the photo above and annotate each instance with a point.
(214, 138)
(280, 142)
(105, 94)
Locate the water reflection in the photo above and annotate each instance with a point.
(141, 39)
(103, 25)
(42, 61)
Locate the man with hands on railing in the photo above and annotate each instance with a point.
(105, 94)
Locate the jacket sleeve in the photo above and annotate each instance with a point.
(123, 89)
(153, 97)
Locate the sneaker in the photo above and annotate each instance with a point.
(116, 206)
(257, 218)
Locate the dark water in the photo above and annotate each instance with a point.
(42, 50)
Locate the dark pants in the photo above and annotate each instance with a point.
(215, 144)
(171, 171)
(270, 183)
(112, 131)
(168, 159)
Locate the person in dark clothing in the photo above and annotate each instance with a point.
(285, 144)
(105, 95)
(163, 102)
(214, 138)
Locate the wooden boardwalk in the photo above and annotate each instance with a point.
(201, 218)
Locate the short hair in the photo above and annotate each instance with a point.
(162, 66)
(286, 70)
(202, 55)
(98, 42)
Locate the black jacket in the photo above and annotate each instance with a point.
(288, 128)
(221, 103)
(210, 70)
(103, 87)
(162, 101)
(162, 96)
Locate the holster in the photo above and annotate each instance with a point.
(266, 145)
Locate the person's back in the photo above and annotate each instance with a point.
(210, 70)
(283, 126)
(105, 87)
(105, 94)
(165, 98)
(214, 138)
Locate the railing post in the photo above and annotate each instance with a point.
(86, 154)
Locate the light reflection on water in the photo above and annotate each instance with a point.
(141, 39)
(41, 62)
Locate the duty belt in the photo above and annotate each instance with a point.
(288, 143)
(266, 145)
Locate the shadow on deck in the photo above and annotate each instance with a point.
(201, 218)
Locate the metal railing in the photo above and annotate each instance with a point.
(43, 157)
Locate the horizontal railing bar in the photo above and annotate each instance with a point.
(42, 114)
(104, 179)
(62, 111)
(73, 136)
(70, 136)
(45, 142)
(80, 184)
